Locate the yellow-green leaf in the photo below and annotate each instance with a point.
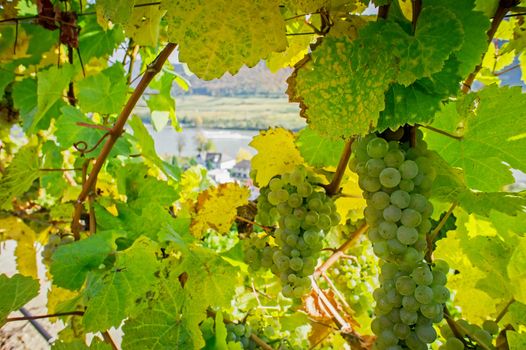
(216, 208)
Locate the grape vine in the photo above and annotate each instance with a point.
(393, 220)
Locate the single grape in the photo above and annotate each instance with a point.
(389, 177)
(406, 185)
(490, 326)
(411, 218)
(369, 183)
(275, 184)
(387, 229)
(423, 294)
(380, 200)
(427, 334)
(440, 293)
(408, 317)
(410, 303)
(392, 213)
(374, 167)
(405, 285)
(377, 147)
(400, 198)
(453, 343)
(406, 235)
(393, 158)
(422, 275)
(408, 169)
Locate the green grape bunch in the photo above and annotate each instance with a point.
(396, 179)
(303, 213)
(240, 333)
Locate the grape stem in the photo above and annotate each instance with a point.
(265, 228)
(114, 134)
(36, 317)
(433, 235)
(340, 252)
(504, 310)
(441, 132)
(500, 13)
(334, 187)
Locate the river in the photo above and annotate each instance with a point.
(226, 141)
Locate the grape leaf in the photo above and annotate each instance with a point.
(163, 100)
(276, 155)
(94, 41)
(516, 340)
(118, 11)
(340, 90)
(489, 138)
(297, 47)
(80, 344)
(216, 208)
(50, 88)
(19, 175)
(474, 25)
(482, 259)
(104, 92)
(111, 295)
(206, 272)
(25, 100)
(517, 270)
(215, 36)
(71, 263)
(147, 145)
(15, 292)
(438, 33)
(15, 228)
(69, 132)
(418, 102)
(449, 186)
(144, 24)
(317, 150)
(143, 190)
(170, 321)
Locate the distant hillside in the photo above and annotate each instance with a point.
(257, 81)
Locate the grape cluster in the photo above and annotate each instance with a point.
(54, 241)
(303, 214)
(240, 333)
(357, 278)
(396, 180)
(474, 336)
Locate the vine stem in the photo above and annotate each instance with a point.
(27, 318)
(500, 13)
(504, 310)
(441, 132)
(433, 235)
(334, 187)
(338, 253)
(343, 325)
(116, 132)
